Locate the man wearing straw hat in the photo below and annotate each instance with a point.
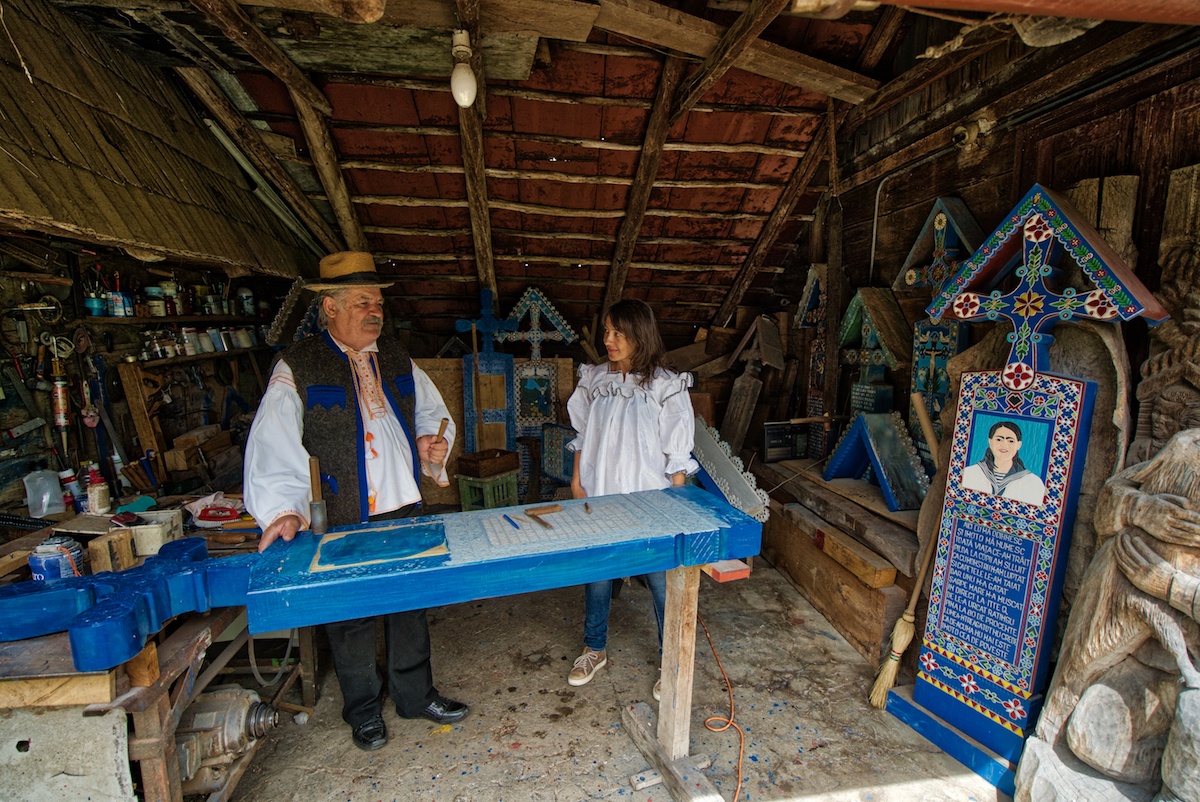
(351, 396)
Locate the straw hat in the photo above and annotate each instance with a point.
(347, 269)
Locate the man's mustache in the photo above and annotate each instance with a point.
(373, 319)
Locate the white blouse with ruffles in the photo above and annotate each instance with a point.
(631, 437)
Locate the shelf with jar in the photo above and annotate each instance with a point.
(153, 320)
(185, 358)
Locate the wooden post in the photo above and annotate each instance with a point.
(678, 660)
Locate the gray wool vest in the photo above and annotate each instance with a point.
(333, 426)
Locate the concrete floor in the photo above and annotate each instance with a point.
(800, 693)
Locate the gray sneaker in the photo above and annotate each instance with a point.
(586, 666)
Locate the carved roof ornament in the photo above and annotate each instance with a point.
(1040, 231)
(949, 235)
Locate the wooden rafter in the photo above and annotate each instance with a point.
(975, 44)
(236, 24)
(547, 96)
(668, 28)
(325, 162)
(564, 178)
(470, 127)
(247, 138)
(412, 202)
(567, 141)
(823, 142)
(774, 226)
(741, 35)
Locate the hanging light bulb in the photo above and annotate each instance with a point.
(462, 78)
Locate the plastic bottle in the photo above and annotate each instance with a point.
(118, 464)
(71, 486)
(43, 493)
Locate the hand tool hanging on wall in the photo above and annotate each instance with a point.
(31, 408)
(60, 399)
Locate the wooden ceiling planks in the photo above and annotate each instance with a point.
(119, 157)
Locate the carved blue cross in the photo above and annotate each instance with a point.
(1033, 308)
(1044, 226)
(487, 325)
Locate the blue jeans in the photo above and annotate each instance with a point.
(598, 597)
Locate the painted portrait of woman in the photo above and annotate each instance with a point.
(1001, 471)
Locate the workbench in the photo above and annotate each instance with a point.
(390, 566)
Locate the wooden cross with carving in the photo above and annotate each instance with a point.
(1044, 226)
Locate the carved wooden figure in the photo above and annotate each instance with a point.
(1121, 720)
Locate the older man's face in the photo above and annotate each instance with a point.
(357, 321)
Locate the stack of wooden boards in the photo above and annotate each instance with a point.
(206, 452)
(843, 550)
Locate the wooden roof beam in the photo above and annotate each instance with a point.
(248, 140)
(643, 180)
(237, 26)
(325, 162)
(470, 127)
(823, 144)
(668, 28)
(739, 36)
(1171, 12)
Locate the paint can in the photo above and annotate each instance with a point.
(57, 557)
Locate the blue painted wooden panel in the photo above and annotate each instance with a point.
(999, 565)
(378, 568)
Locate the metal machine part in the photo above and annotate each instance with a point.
(217, 729)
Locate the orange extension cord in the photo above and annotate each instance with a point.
(725, 722)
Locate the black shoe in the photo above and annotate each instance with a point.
(445, 711)
(370, 735)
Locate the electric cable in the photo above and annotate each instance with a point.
(725, 722)
(283, 664)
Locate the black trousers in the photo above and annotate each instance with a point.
(409, 673)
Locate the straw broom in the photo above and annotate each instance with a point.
(902, 632)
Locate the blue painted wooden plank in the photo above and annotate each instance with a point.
(382, 567)
(952, 741)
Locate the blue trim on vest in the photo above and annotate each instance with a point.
(364, 489)
(326, 395)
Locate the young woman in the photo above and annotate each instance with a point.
(1001, 472)
(635, 426)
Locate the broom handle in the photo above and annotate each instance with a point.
(918, 401)
(926, 559)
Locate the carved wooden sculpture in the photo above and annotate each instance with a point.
(1122, 718)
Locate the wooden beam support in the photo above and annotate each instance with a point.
(470, 127)
(771, 229)
(668, 28)
(548, 175)
(237, 26)
(358, 11)
(737, 38)
(325, 161)
(643, 181)
(975, 44)
(824, 141)
(545, 96)
(252, 146)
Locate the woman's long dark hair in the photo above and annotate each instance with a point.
(635, 319)
(990, 458)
